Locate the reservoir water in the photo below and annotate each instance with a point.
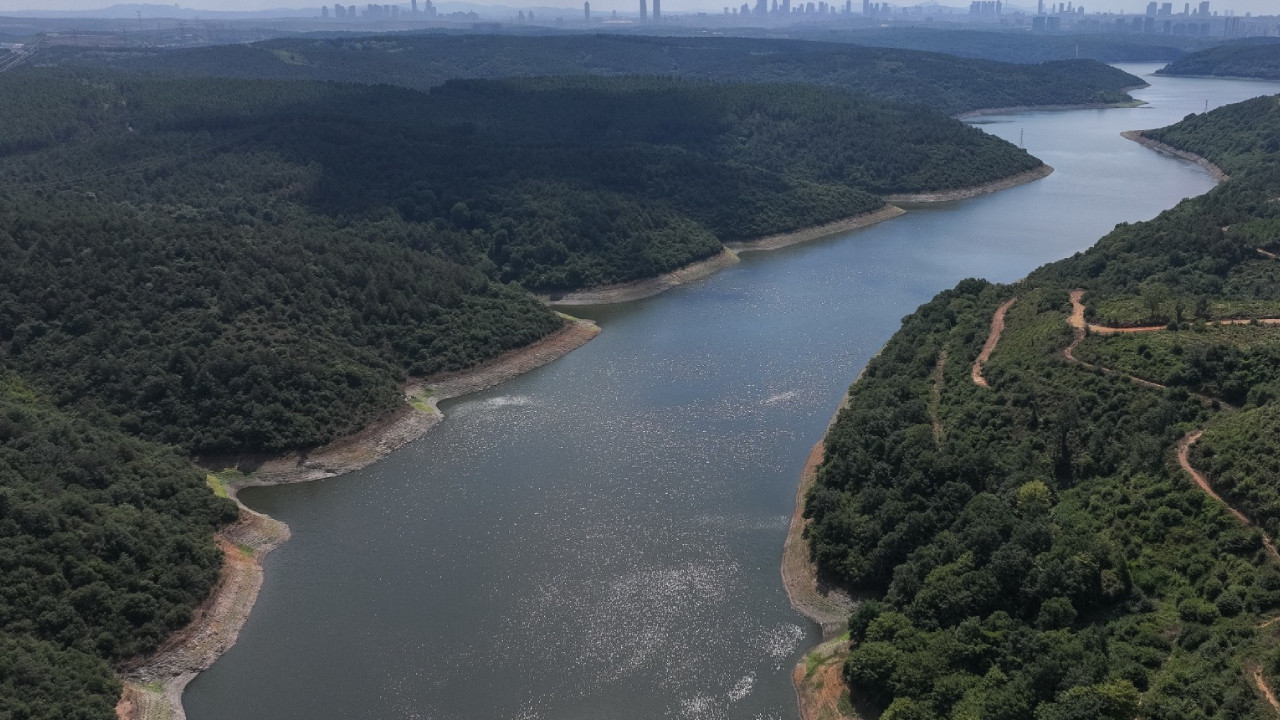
(600, 538)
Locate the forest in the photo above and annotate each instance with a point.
(942, 82)
(1251, 58)
(106, 544)
(211, 267)
(1034, 548)
(231, 265)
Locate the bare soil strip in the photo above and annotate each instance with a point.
(1138, 137)
(828, 607)
(970, 192)
(1268, 253)
(1012, 109)
(648, 287)
(781, 240)
(993, 337)
(153, 685)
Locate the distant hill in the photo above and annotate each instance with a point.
(1019, 47)
(1253, 58)
(942, 82)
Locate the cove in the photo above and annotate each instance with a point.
(600, 538)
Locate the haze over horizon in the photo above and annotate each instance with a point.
(1240, 7)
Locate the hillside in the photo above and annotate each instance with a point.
(941, 82)
(1038, 544)
(247, 265)
(106, 546)
(1018, 46)
(1254, 58)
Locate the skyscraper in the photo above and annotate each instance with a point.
(644, 11)
(586, 11)
(657, 10)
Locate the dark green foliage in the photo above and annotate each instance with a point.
(1241, 456)
(1237, 137)
(943, 82)
(1041, 554)
(105, 547)
(248, 265)
(1253, 58)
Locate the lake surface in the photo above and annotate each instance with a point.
(600, 538)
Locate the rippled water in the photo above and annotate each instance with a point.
(600, 538)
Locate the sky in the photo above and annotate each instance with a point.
(1131, 6)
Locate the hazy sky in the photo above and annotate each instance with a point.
(1239, 6)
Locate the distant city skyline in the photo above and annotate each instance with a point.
(1239, 7)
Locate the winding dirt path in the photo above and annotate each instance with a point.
(993, 337)
(1184, 451)
(1078, 323)
(1264, 688)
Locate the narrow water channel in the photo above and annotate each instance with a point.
(600, 538)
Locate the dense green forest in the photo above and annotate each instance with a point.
(1253, 58)
(209, 266)
(1033, 548)
(942, 82)
(230, 265)
(106, 545)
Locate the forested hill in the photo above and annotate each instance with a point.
(942, 82)
(254, 265)
(1256, 58)
(106, 546)
(1033, 546)
(1018, 46)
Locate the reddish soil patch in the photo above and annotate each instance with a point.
(993, 337)
(821, 691)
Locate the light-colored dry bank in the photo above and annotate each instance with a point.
(973, 191)
(1138, 137)
(153, 685)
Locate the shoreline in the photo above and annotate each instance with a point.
(153, 685)
(818, 677)
(633, 290)
(1055, 108)
(826, 606)
(974, 190)
(1213, 170)
(648, 287)
(795, 237)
